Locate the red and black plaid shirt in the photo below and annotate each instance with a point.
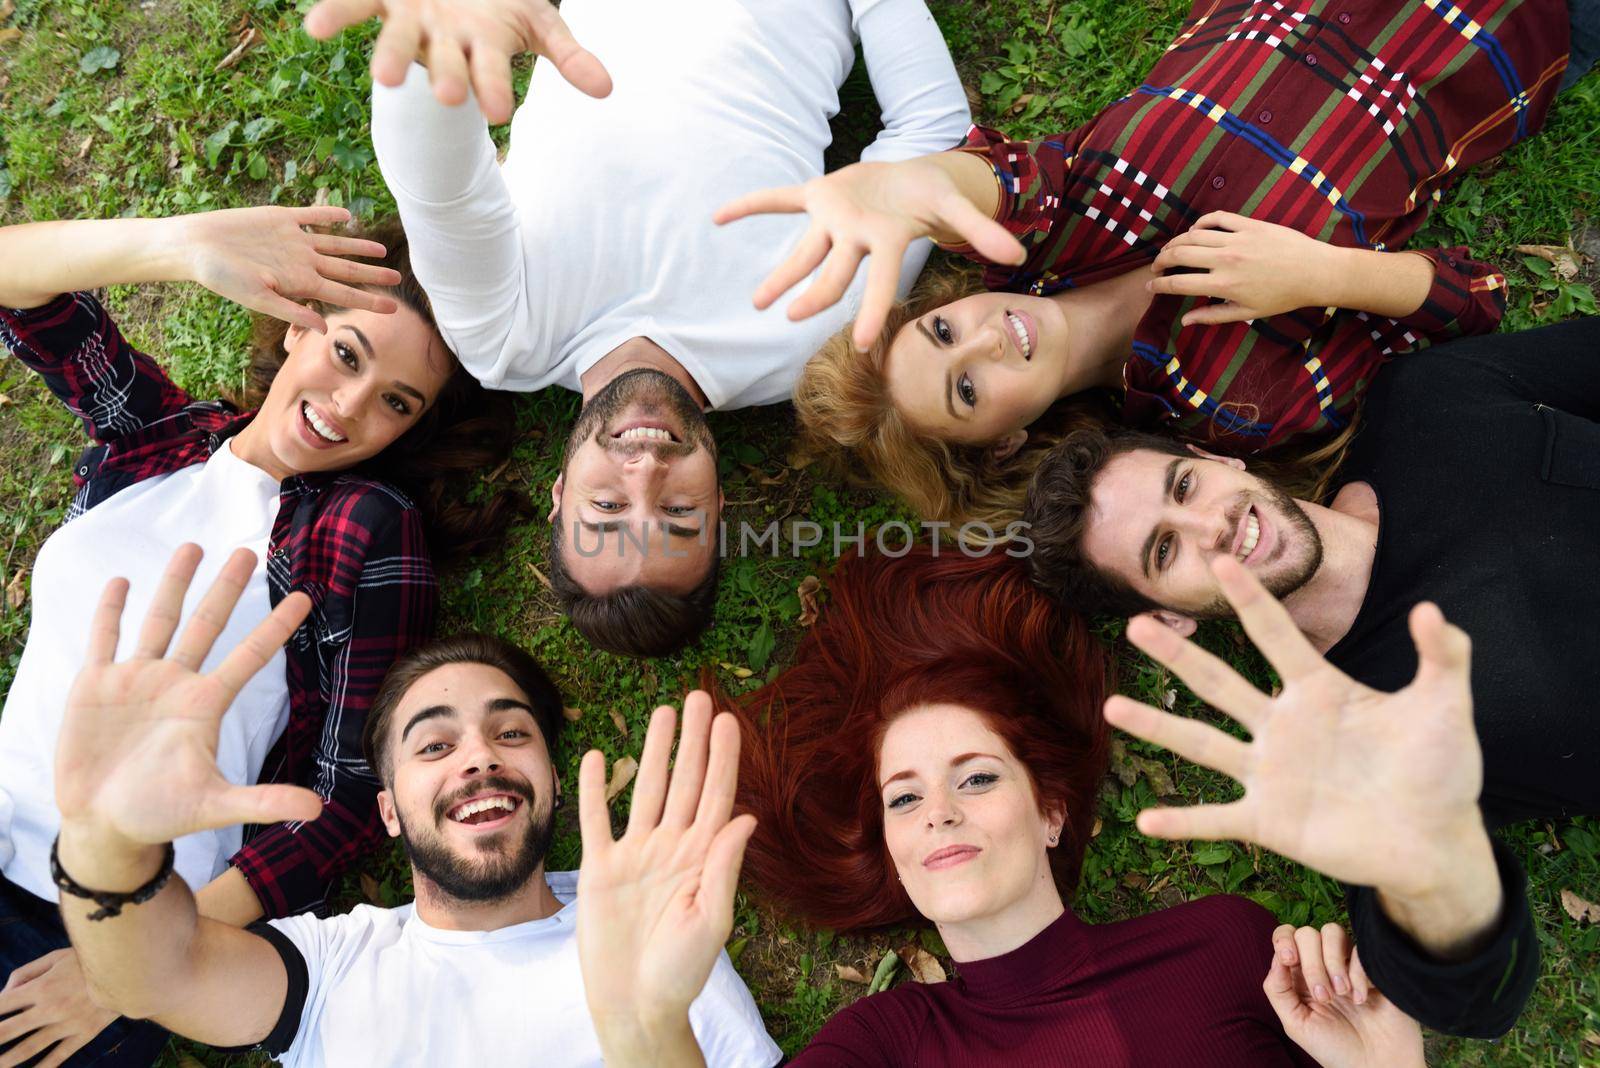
(356, 546)
(1343, 119)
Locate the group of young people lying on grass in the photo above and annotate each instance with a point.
(1270, 162)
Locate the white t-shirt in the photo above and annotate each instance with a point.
(384, 988)
(221, 505)
(598, 227)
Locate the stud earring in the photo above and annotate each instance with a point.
(1055, 839)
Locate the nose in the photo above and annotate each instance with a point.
(644, 471)
(479, 757)
(941, 810)
(1208, 527)
(988, 343)
(351, 398)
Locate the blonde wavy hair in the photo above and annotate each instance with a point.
(849, 424)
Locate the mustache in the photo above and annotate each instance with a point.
(490, 784)
(662, 450)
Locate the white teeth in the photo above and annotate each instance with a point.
(1021, 331)
(1252, 534)
(472, 808)
(651, 433)
(323, 429)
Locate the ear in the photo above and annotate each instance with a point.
(386, 811)
(1054, 825)
(1007, 446)
(555, 497)
(721, 502)
(1184, 625)
(1232, 461)
(292, 336)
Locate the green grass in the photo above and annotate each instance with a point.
(160, 130)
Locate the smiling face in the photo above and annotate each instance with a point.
(981, 367)
(344, 397)
(961, 819)
(1158, 521)
(472, 789)
(638, 496)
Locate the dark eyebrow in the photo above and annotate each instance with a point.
(611, 525)
(498, 704)
(1166, 491)
(957, 762)
(401, 386)
(927, 333)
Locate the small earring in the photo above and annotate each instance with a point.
(1055, 839)
(557, 803)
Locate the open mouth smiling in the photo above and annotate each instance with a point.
(485, 810)
(322, 431)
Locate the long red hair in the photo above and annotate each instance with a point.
(896, 634)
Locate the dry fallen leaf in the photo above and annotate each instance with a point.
(9, 34)
(248, 40)
(1169, 699)
(543, 581)
(807, 591)
(850, 974)
(88, 143)
(572, 714)
(187, 1061)
(5, 401)
(924, 966)
(17, 590)
(1579, 909)
(1099, 825)
(1563, 259)
(369, 889)
(6, 8)
(620, 723)
(622, 773)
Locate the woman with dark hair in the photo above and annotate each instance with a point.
(337, 475)
(1277, 158)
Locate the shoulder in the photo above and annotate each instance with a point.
(319, 939)
(880, 1028)
(355, 507)
(1230, 936)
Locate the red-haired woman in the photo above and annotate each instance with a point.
(933, 755)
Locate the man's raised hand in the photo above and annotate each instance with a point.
(656, 905)
(1372, 788)
(464, 42)
(136, 764)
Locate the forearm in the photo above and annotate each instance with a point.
(48, 258)
(229, 899)
(631, 1041)
(1457, 912)
(923, 105)
(1391, 284)
(134, 961)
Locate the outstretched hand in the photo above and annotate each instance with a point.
(872, 210)
(262, 259)
(656, 905)
(1329, 1007)
(136, 763)
(1378, 789)
(464, 42)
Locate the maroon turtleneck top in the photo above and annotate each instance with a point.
(1179, 986)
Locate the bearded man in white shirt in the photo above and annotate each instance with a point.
(588, 259)
(483, 964)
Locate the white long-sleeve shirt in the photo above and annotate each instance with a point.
(597, 227)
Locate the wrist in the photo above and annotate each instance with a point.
(98, 858)
(975, 180)
(1453, 905)
(644, 1037)
(1342, 277)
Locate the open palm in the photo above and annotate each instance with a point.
(137, 755)
(1371, 788)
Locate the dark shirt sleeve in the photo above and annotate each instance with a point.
(281, 1037)
(1031, 177)
(871, 1033)
(1480, 997)
(83, 358)
(393, 600)
(1466, 298)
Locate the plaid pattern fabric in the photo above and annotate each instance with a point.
(1343, 119)
(356, 546)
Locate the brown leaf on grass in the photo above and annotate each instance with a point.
(622, 773)
(1168, 699)
(17, 590)
(5, 401)
(1579, 909)
(247, 40)
(807, 592)
(850, 974)
(1099, 825)
(1156, 772)
(619, 722)
(1127, 767)
(9, 34)
(924, 966)
(764, 479)
(540, 575)
(369, 890)
(186, 1060)
(1022, 101)
(572, 714)
(738, 672)
(6, 8)
(88, 143)
(1562, 258)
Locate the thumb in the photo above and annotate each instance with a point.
(720, 876)
(1279, 986)
(1212, 314)
(263, 804)
(1443, 650)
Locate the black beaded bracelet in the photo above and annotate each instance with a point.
(110, 903)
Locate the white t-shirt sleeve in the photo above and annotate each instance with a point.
(327, 947)
(924, 107)
(727, 1023)
(466, 244)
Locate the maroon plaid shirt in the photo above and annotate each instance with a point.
(1343, 119)
(354, 545)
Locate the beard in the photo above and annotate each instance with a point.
(503, 864)
(658, 394)
(1295, 529)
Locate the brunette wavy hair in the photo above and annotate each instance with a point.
(900, 633)
(466, 429)
(849, 423)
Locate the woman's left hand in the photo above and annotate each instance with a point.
(46, 1003)
(1259, 269)
(263, 259)
(1328, 1006)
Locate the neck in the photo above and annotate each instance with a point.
(631, 355)
(991, 936)
(1104, 317)
(438, 909)
(250, 445)
(1326, 606)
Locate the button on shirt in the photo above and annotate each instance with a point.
(1370, 116)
